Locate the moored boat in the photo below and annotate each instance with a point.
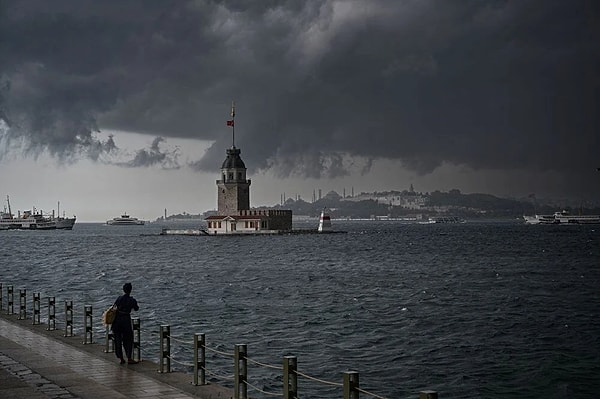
(125, 220)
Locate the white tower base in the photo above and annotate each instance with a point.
(324, 222)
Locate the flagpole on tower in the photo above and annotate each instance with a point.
(232, 124)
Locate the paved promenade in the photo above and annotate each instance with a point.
(36, 363)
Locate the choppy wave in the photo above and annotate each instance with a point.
(485, 309)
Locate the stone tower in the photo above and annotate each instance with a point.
(233, 188)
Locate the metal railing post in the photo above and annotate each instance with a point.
(68, 318)
(22, 304)
(87, 325)
(37, 308)
(165, 349)
(428, 395)
(199, 359)
(137, 342)
(351, 385)
(51, 314)
(290, 378)
(10, 309)
(109, 344)
(240, 372)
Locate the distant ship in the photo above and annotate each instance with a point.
(443, 219)
(562, 217)
(125, 220)
(63, 222)
(540, 219)
(27, 221)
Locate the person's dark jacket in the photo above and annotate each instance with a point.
(125, 304)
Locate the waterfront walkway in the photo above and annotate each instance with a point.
(36, 363)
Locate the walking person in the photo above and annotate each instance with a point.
(121, 326)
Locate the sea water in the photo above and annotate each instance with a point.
(486, 309)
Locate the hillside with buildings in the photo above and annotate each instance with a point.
(412, 204)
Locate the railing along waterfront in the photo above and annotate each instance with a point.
(37, 308)
(22, 304)
(350, 386)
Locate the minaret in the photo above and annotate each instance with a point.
(233, 188)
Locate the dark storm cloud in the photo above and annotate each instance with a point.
(493, 85)
(154, 156)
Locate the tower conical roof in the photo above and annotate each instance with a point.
(233, 160)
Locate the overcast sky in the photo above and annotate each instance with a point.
(121, 106)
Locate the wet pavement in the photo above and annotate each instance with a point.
(37, 363)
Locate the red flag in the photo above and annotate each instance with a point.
(230, 123)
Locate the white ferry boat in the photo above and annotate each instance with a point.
(540, 219)
(27, 221)
(33, 220)
(125, 220)
(562, 217)
(443, 219)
